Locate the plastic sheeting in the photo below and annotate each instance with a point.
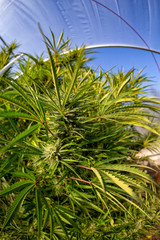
(89, 22)
(86, 22)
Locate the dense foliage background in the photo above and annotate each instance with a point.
(68, 163)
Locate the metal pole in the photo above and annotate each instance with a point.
(10, 64)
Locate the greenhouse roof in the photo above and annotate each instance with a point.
(96, 23)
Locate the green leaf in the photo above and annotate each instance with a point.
(71, 84)
(50, 213)
(122, 185)
(16, 187)
(19, 137)
(14, 126)
(39, 211)
(129, 169)
(16, 204)
(4, 97)
(24, 175)
(33, 58)
(61, 224)
(45, 218)
(6, 171)
(122, 85)
(59, 40)
(87, 203)
(53, 68)
(111, 198)
(66, 217)
(98, 175)
(22, 92)
(18, 115)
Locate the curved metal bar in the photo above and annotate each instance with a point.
(122, 46)
(88, 47)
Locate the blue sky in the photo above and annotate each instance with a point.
(125, 58)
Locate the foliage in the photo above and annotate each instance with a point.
(133, 226)
(6, 54)
(67, 134)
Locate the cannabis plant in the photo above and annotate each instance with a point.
(67, 139)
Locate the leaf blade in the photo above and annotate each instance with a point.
(39, 211)
(19, 137)
(16, 204)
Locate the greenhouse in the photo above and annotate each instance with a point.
(79, 119)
